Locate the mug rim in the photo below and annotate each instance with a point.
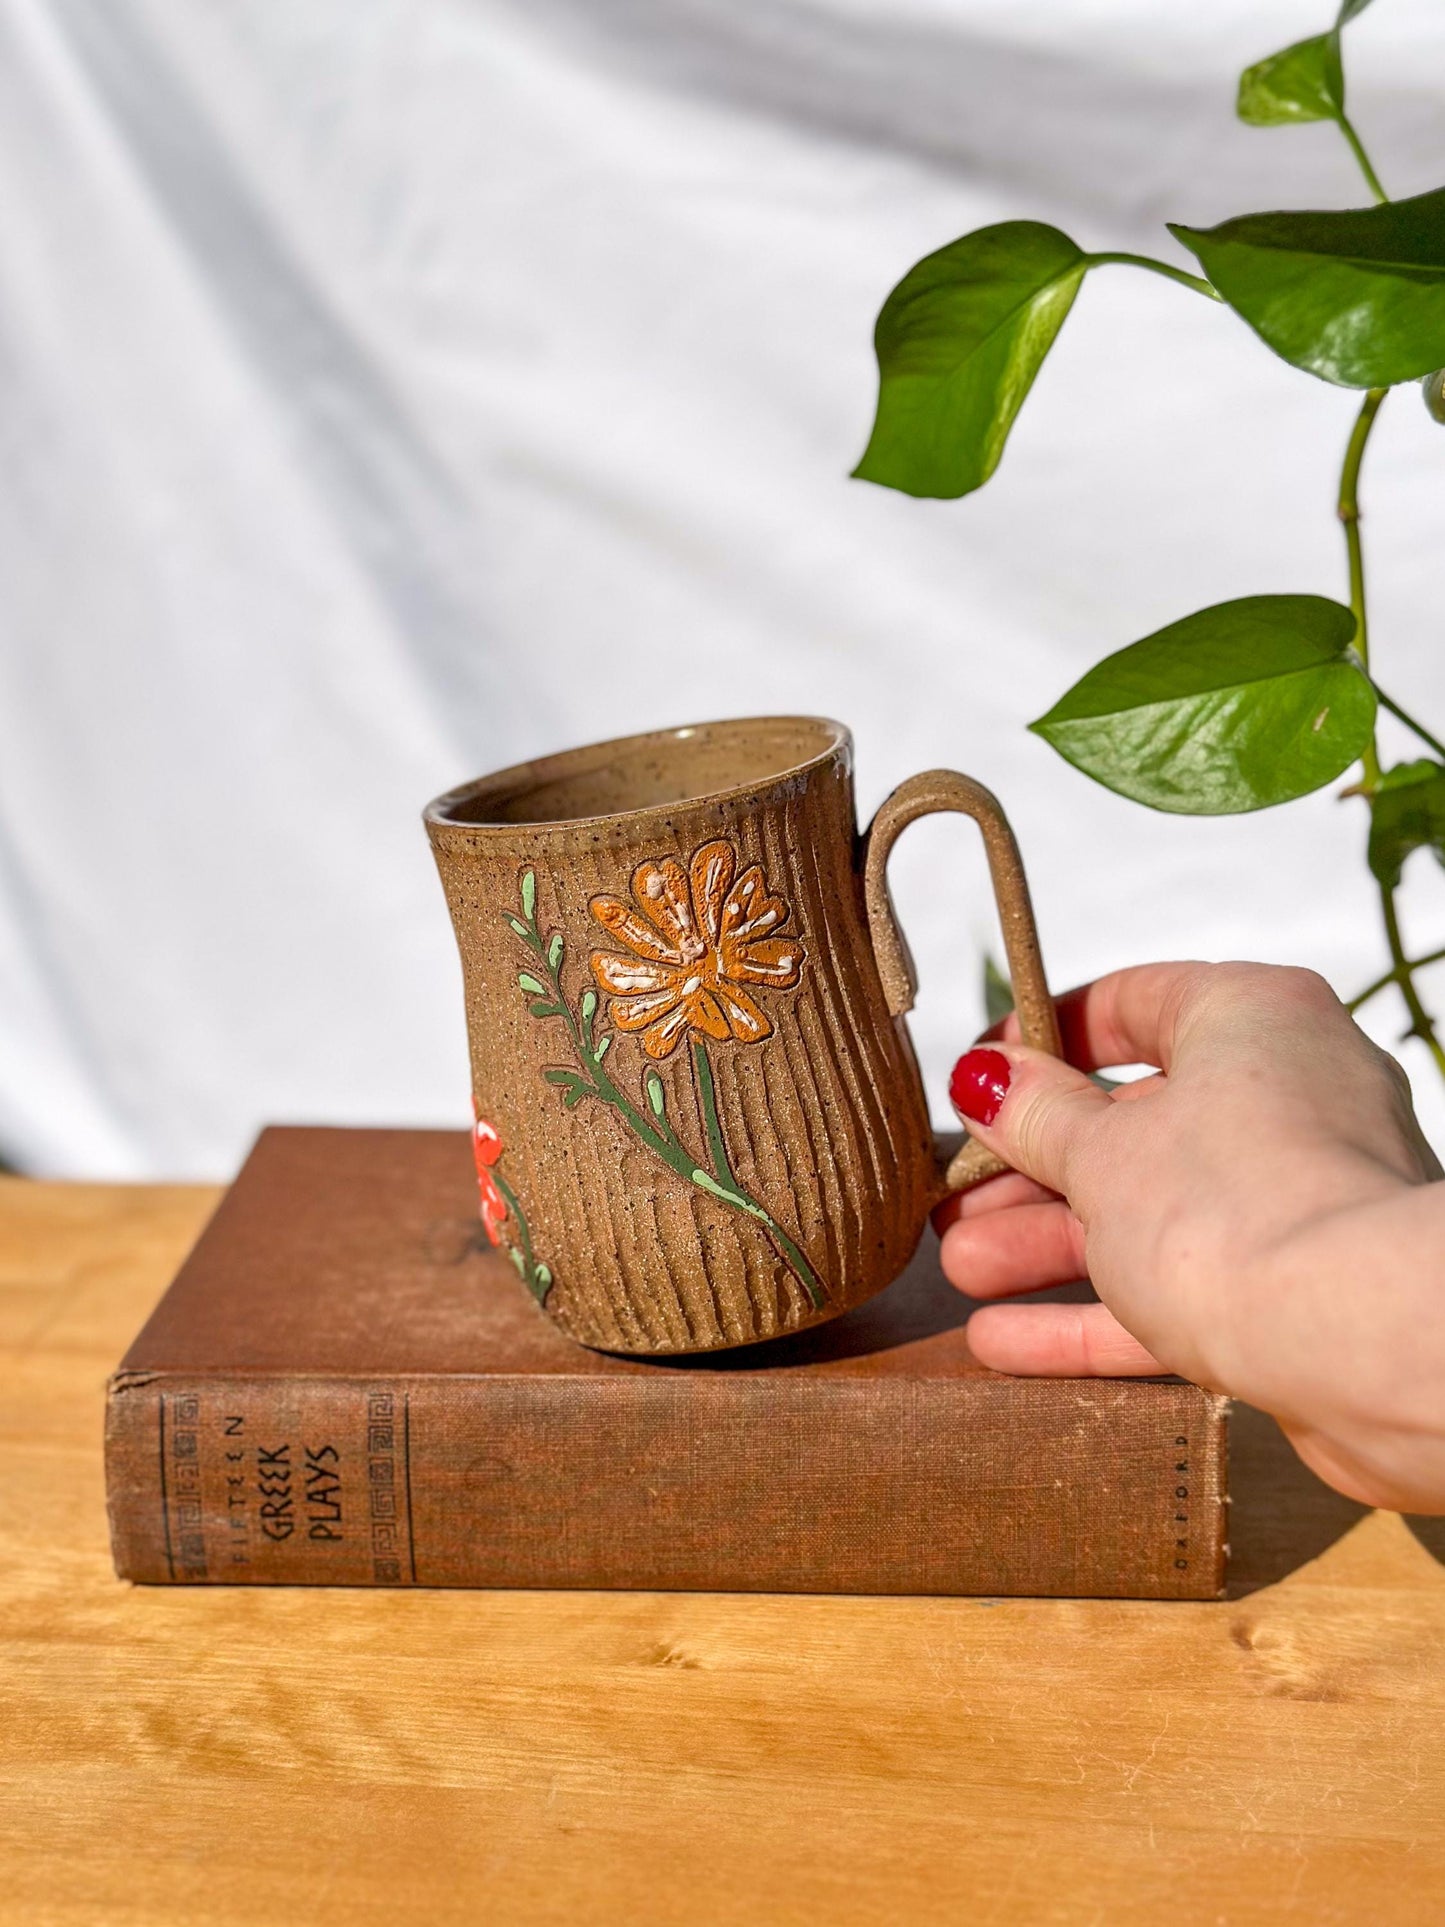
(438, 814)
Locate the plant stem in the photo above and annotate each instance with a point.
(1357, 148)
(1391, 976)
(1349, 514)
(1420, 1024)
(1181, 275)
(1431, 742)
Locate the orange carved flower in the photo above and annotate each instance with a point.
(700, 939)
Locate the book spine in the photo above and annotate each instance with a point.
(688, 1480)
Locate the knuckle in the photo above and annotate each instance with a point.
(1306, 987)
(1292, 992)
(1295, 981)
(1395, 1072)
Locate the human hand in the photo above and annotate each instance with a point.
(1258, 1216)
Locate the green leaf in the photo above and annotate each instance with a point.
(525, 932)
(1353, 295)
(559, 1076)
(1304, 82)
(1237, 707)
(604, 1044)
(554, 950)
(656, 1095)
(529, 894)
(959, 342)
(1407, 812)
(529, 982)
(544, 1009)
(998, 996)
(589, 1005)
(518, 1260)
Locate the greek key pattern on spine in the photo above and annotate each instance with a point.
(388, 1479)
(183, 1479)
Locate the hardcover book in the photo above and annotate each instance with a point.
(346, 1385)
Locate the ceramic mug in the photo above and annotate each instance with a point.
(699, 1119)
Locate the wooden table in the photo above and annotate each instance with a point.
(202, 1756)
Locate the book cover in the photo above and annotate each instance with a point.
(345, 1385)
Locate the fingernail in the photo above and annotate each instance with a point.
(979, 1085)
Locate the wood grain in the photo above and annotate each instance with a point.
(224, 1757)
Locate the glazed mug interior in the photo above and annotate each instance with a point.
(655, 770)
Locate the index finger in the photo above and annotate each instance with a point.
(1128, 1017)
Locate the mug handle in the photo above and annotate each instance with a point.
(945, 789)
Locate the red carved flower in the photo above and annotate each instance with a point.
(487, 1148)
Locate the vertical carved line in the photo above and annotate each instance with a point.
(818, 1044)
(831, 1031)
(759, 1263)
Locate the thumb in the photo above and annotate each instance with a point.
(1040, 1115)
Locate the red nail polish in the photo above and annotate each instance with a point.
(979, 1085)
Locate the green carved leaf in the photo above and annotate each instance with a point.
(656, 1094)
(545, 1009)
(1353, 295)
(559, 1076)
(1407, 813)
(529, 894)
(959, 341)
(531, 983)
(1237, 707)
(554, 950)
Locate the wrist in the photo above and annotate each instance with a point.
(1343, 1340)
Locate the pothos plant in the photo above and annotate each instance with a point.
(1253, 702)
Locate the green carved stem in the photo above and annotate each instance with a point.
(539, 1278)
(656, 1133)
(707, 1098)
(722, 1183)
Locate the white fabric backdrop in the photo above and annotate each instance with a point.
(390, 391)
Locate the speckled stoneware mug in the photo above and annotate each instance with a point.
(699, 1120)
